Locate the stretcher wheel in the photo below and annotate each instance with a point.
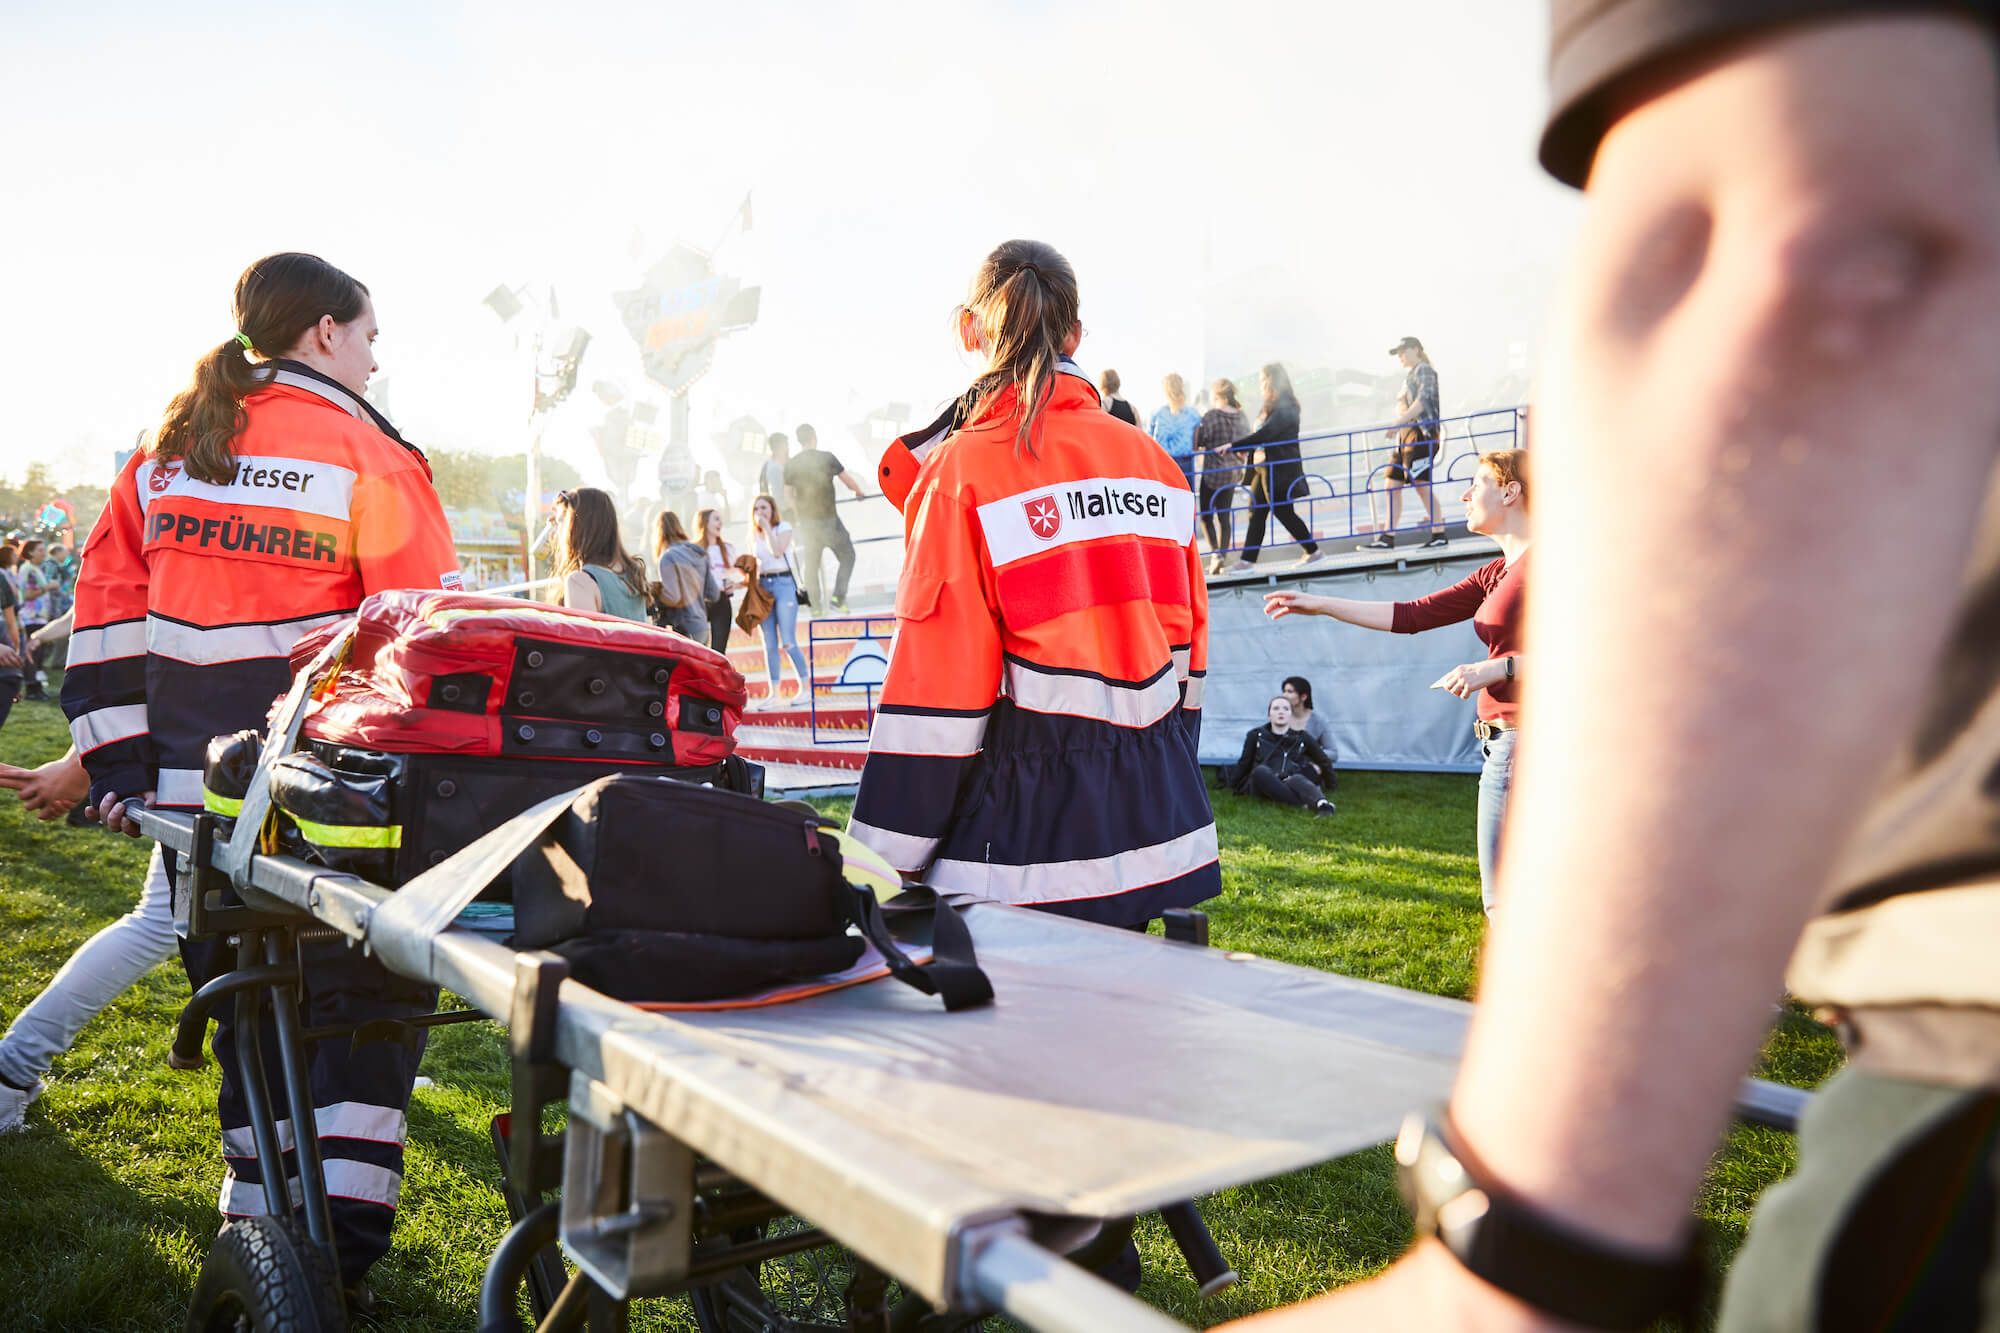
(263, 1276)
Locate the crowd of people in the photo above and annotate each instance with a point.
(37, 578)
(1231, 464)
(703, 585)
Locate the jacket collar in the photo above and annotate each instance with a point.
(298, 375)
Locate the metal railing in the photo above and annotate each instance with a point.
(1342, 490)
(856, 674)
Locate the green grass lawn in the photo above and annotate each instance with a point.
(107, 1198)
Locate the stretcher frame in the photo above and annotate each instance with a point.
(629, 1188)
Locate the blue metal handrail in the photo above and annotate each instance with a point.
(840, 629)
(1342, 485)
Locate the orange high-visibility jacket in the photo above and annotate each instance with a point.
(192, 593)
(1035, 740)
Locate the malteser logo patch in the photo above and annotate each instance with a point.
(1044, 516)
(452, 582)
(163, 477)
(1088, 509)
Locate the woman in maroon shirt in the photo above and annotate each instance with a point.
(1496, 506)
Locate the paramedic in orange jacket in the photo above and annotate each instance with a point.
(1035, 740)
(273, 499)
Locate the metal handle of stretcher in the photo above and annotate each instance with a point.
(996, 1264)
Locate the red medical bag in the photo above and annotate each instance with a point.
(459, 674)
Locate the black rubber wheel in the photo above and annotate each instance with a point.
(263, 1276)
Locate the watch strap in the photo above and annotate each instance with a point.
(1552, 1266)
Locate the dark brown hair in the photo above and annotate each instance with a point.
(590, 537)
(1225, 390)
(278, 299)
(1509, 465)
(1024, 297)
(1281, 388)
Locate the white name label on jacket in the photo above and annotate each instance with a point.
(1084, 510)
(326, 489)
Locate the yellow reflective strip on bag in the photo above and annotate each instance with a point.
(227, 806)
(350, 835)
(865, 866)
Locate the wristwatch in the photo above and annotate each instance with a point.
(1507, 1243)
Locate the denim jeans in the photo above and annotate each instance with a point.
(99, 972)
(783, 622)
(1496, 774)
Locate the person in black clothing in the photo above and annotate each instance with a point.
(1282, 764)
(1116, 406)
(1273, 480)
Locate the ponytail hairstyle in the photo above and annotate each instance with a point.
(278, 299)
(1025, 301)
(1223, 391)
(1176, 388)
(588, 535)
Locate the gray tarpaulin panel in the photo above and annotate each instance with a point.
(1373, 688)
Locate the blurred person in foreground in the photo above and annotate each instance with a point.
(1791, 253)
(1494, 598)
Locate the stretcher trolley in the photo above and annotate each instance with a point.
(955, 1158)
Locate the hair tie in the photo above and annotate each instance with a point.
(244, 338)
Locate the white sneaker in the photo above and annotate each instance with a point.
(14, 1103)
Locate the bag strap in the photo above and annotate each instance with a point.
(953, 974)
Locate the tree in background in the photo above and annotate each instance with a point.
(475, 481)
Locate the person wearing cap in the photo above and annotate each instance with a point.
(1414, 459)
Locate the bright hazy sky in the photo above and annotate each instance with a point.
(1305, 182)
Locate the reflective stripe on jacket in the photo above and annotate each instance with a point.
(192, 593)
(1035, 741)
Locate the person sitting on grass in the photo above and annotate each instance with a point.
(1281, 763)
